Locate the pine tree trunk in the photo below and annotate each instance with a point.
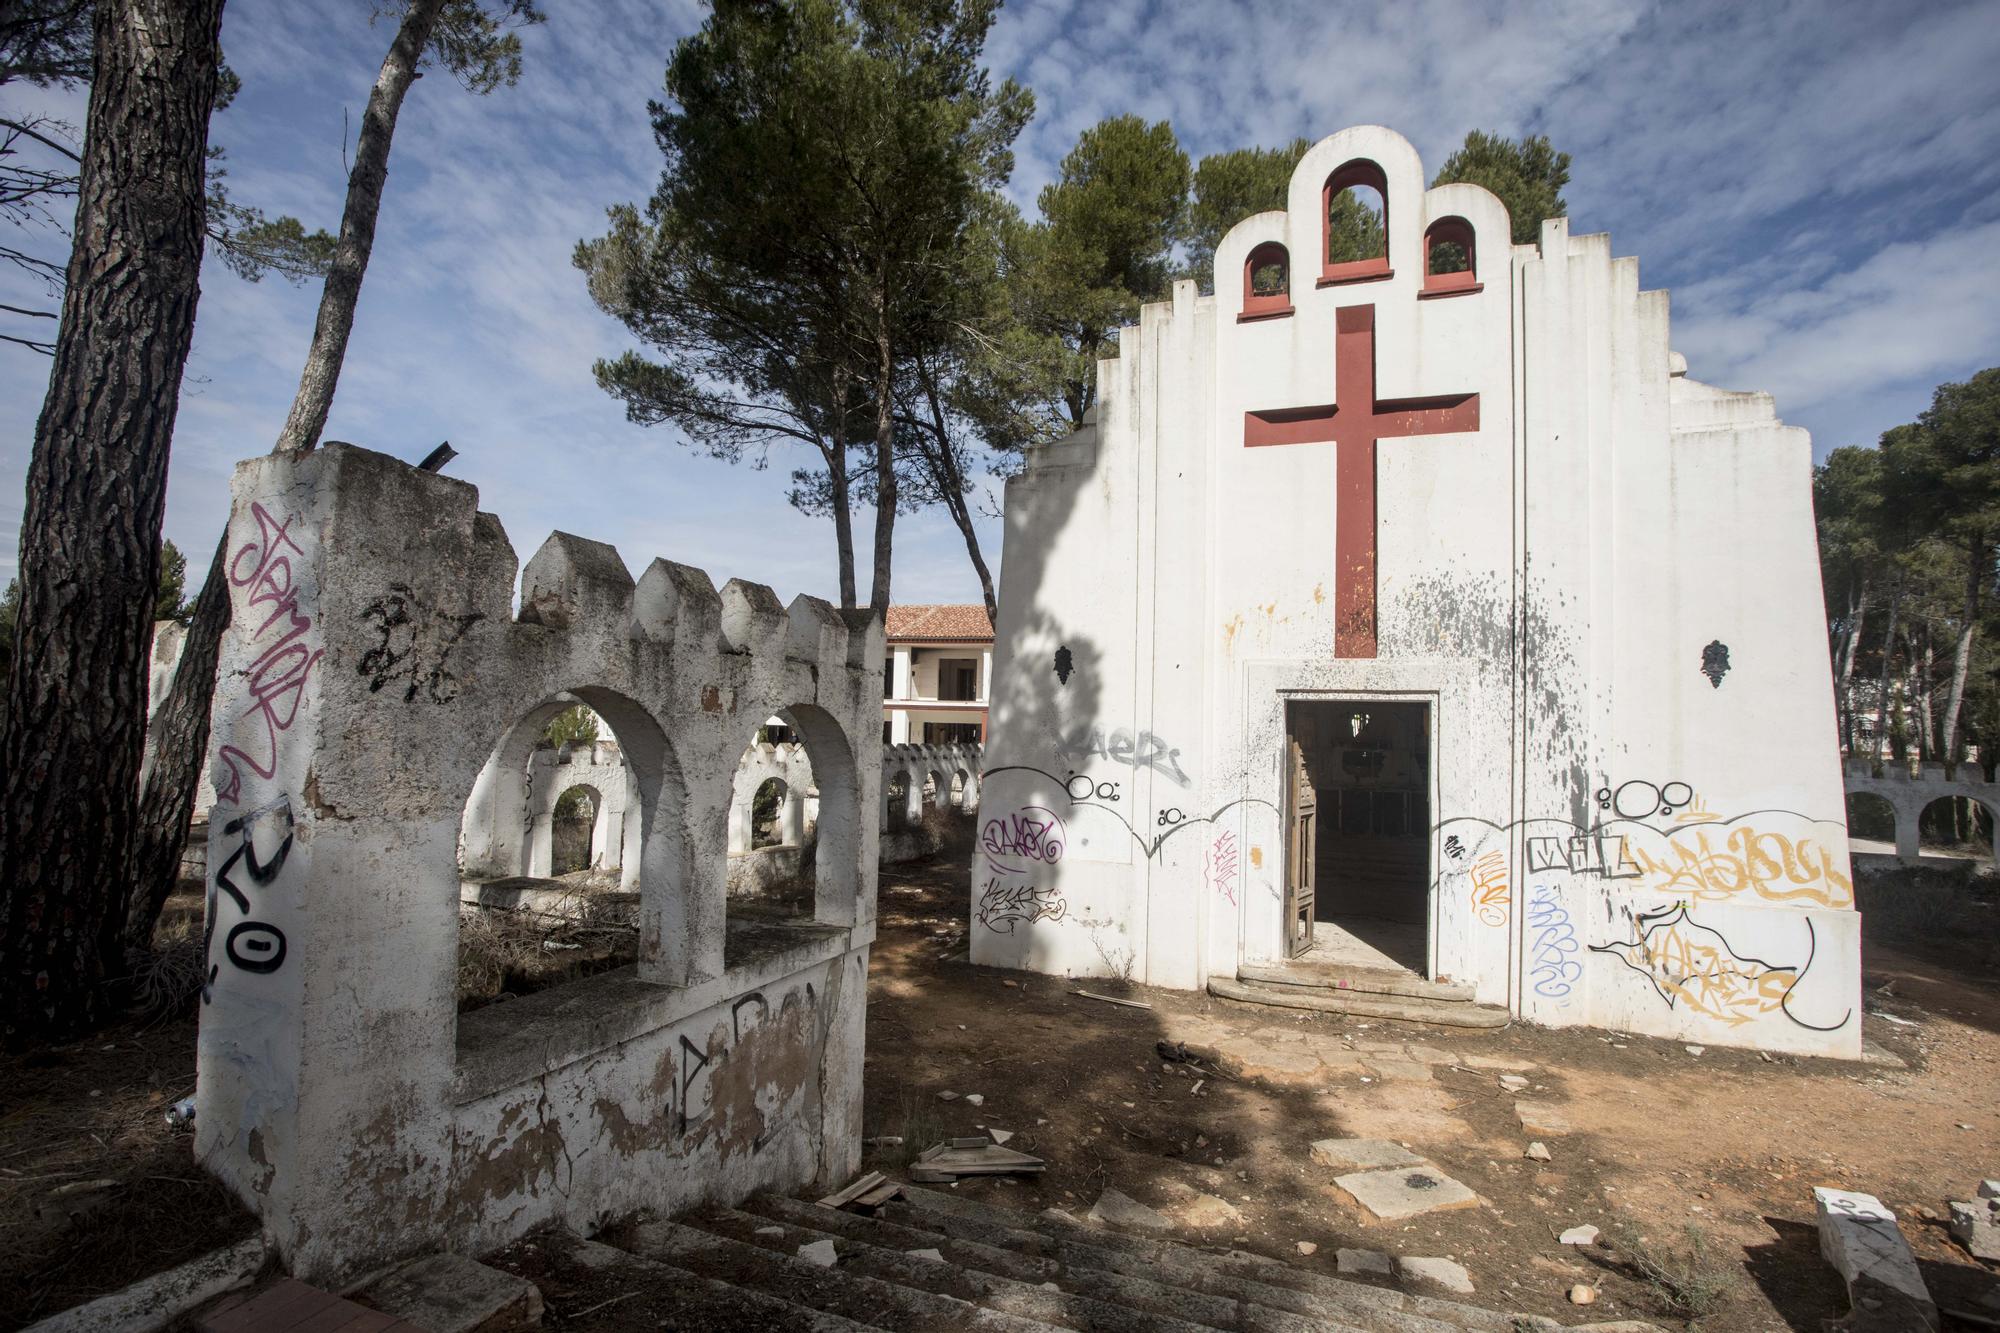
(181, 724)
(841, 491)
(90, 538)
(1855, 624)
(1882, 691)
(370, 173)
(950, 483)
(1977, 559)
(177, 746)
(885, 451)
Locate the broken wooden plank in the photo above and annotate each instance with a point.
(860, 1186)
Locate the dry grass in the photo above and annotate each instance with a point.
(1689, 1281)
(504, 952)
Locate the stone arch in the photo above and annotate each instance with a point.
(563, 858)
(495, 836)
(775, 792)
(1871, 816)
(1267, 282)
(1451, 256)
(1336, 265)
(896, 787)
(1953, 820)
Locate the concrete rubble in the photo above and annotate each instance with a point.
(1436, 1273)
(1362, 1154)
(1976, 1224)
(1400, 1192)
(1858, 1235)
(1362, 1261)
(1120, 1210)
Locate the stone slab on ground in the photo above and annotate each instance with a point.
(1541, 1117)
(1406, 1071)
(288, 1305)
(1120, 1210)
(1362, 1154)
(1436, 1273)
(1858, 1235)
(1246, 1057)
(1503, 1063)
(449, 1293)
(1400, 1192)
(157, 1301)
(1206, 1211)
(1976, 1226)
(1362, 1261)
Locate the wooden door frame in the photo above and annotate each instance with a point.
(1431, 702)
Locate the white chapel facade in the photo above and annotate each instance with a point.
(1437, 616)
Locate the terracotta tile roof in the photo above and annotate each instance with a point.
(967, 624)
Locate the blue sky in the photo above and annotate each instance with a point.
(1815, 182)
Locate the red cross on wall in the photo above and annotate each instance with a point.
(1353, 424)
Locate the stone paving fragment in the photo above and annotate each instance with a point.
(820, 1252)
(1390, 1196)
(1858, 1235)
(1976, 1226)
(1541, 1118)
(1121, 1210)
(1583, 1235)
(1435, 1272)
(1499, 1062)
(1538, 1152)
(1362, 1154)
(1405, 1071)
(1362, 1261)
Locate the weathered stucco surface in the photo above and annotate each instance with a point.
(376, 695)
(1606, 590)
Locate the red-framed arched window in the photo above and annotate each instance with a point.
(1354, 235)
(1451, 258)
(1267, 282)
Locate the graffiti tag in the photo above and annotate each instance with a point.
(1002, 905)
(1694, 966)
(1033, 833)
(1769, 865)
(1142, 751)
(277, 678)
(1489, 889)
(1218, 865)
(1553, 965)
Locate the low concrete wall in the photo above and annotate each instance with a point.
(1908, 794)
(766, 868)
(379, 698)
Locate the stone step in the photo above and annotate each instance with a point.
(865, 1300)
(449, 1293)
(1370, 981)
(881, 1256)
(680, 1299)
(1444, 1013)
(1266, 1282)
(1074, 1268)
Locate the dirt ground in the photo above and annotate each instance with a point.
(1660, 1139)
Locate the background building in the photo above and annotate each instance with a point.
(935, 678)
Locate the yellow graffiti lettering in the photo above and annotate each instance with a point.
(1489, 889)
(1772, 866)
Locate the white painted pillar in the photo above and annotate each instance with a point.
(541, 846)
(913, 803)
(899, 727)
(791, 818)
(902, 674)
(984, 694)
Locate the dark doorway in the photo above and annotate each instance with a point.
(1359, 860)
